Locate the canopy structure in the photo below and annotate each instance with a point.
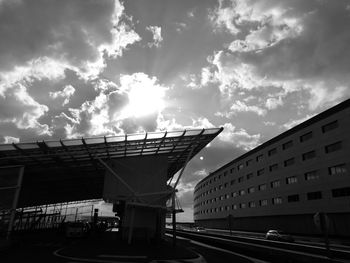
(69, 170)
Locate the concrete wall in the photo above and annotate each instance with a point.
(147, 174)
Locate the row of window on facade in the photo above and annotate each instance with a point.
(308, 155)
(310, 175)
(338, 192)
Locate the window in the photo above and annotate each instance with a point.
(234, 194)
(220, 186)
(293, 198)
(337, 169)
(330, 126)
(261, 172)
(306, 136)
(240, 179)
(225, 173)
(263, 202)
(231, 170)
(227, 208)
(259, 158)
(262, 187)
(312, 175)
(242, 205)
(291, 180)
(249, 176)
(275, 184)
(272, 151)
(289, 162)
(219, 176)
(273, 167)
(333, 147)
(234, 207)
(227, 196)
(225, 185)
(314, 195)
(309, 155)
(240, 166)
(249, 162)
(241, 192)
(251, 204)
(340, 192)
(232, 182)
(251, 190)
(221, 197)
(287, 145)
(277, 200)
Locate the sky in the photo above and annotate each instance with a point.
(99, 68)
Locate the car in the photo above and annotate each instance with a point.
(200, 229)
(278, 235)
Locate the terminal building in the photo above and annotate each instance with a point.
(134, 172)
(285, 181)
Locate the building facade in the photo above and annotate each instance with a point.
(284, 182)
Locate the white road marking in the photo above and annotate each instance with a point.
(122, 256)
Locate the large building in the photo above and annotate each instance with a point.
(285, 181)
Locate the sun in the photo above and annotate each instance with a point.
(144, 99)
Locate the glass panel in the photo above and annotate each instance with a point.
(6, 147)
(174, 134)
(119, 138)
(25, 146)
(155, 135)
(53, 144)
(72, 142)
(94, 140)
(136, 137)
(193, 132)
(211, 131)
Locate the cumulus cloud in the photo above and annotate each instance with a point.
(78, 38)
(66, 93)
(240, 106)
(19, 108)
(10, 139)
(295, 45)
(291, 123)
(157, 35)
(239, 137)
(131, 107)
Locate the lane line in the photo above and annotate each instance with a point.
(122, 256)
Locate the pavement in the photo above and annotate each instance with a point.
(102, 248)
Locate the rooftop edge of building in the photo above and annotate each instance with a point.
(329, 112)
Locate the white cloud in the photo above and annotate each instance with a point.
(322, 95)
(157, 35)
(10, 139)
(291, 123)
(239, 137)
(19, 108)
(273, 103)
(240, 106)
(66, 93)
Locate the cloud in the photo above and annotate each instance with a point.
(66, 93)
(133, 106)
(273, 103)
(78, 39)
(240, 106)
(239, 137)
(10, 139)
(157, 35)
(295, 45)
(291, 123)
(19, 108)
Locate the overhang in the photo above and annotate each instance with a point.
(68, 170)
